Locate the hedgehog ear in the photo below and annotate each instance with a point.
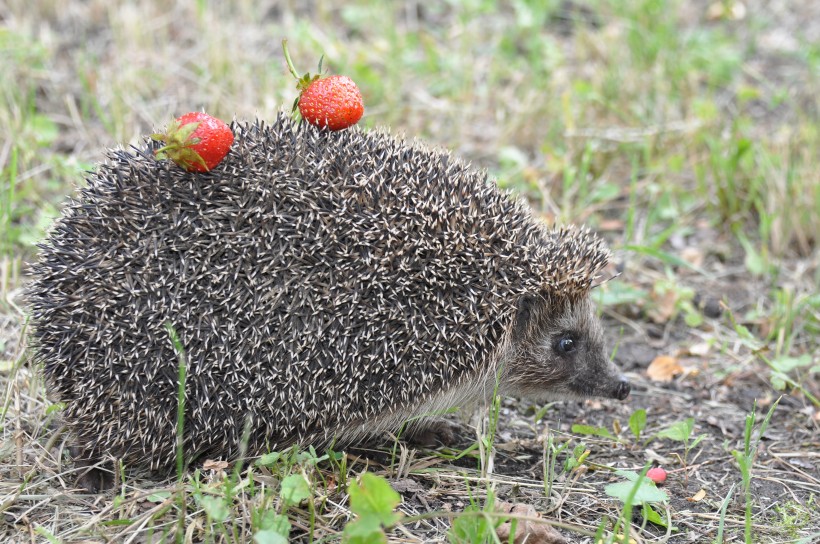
(523, 314)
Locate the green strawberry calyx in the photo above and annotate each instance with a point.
(179, 142)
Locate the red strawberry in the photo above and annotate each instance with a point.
(334, 102)
(657, 475)
(195, 141)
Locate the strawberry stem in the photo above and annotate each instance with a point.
(289, 61)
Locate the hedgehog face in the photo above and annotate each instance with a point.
(560, 353)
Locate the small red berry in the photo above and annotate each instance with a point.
(657, 475)
(334, 102)
(195, 141)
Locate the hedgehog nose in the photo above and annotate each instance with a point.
(622, 389)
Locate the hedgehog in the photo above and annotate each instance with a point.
(325, 287)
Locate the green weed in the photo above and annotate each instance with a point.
(681, 431)
(637, 490)
(722, 518)
(745, 460)
(374, 502)
(469, 528)
(637, 422)
(795, 517)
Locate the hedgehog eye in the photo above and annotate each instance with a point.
(566, 345)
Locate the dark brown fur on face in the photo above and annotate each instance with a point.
(558, 352)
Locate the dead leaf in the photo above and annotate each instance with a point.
(527, 531)
(511, 446)
(654, 456)
(407, 486)
(210, 464)
(663, 369)
(697, 497)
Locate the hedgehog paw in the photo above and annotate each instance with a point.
(95, 479)
(93, 475)
(432, 432)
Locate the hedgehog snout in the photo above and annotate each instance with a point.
(622, 389)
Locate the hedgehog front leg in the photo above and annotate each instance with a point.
(94, 475)
(432, 432)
